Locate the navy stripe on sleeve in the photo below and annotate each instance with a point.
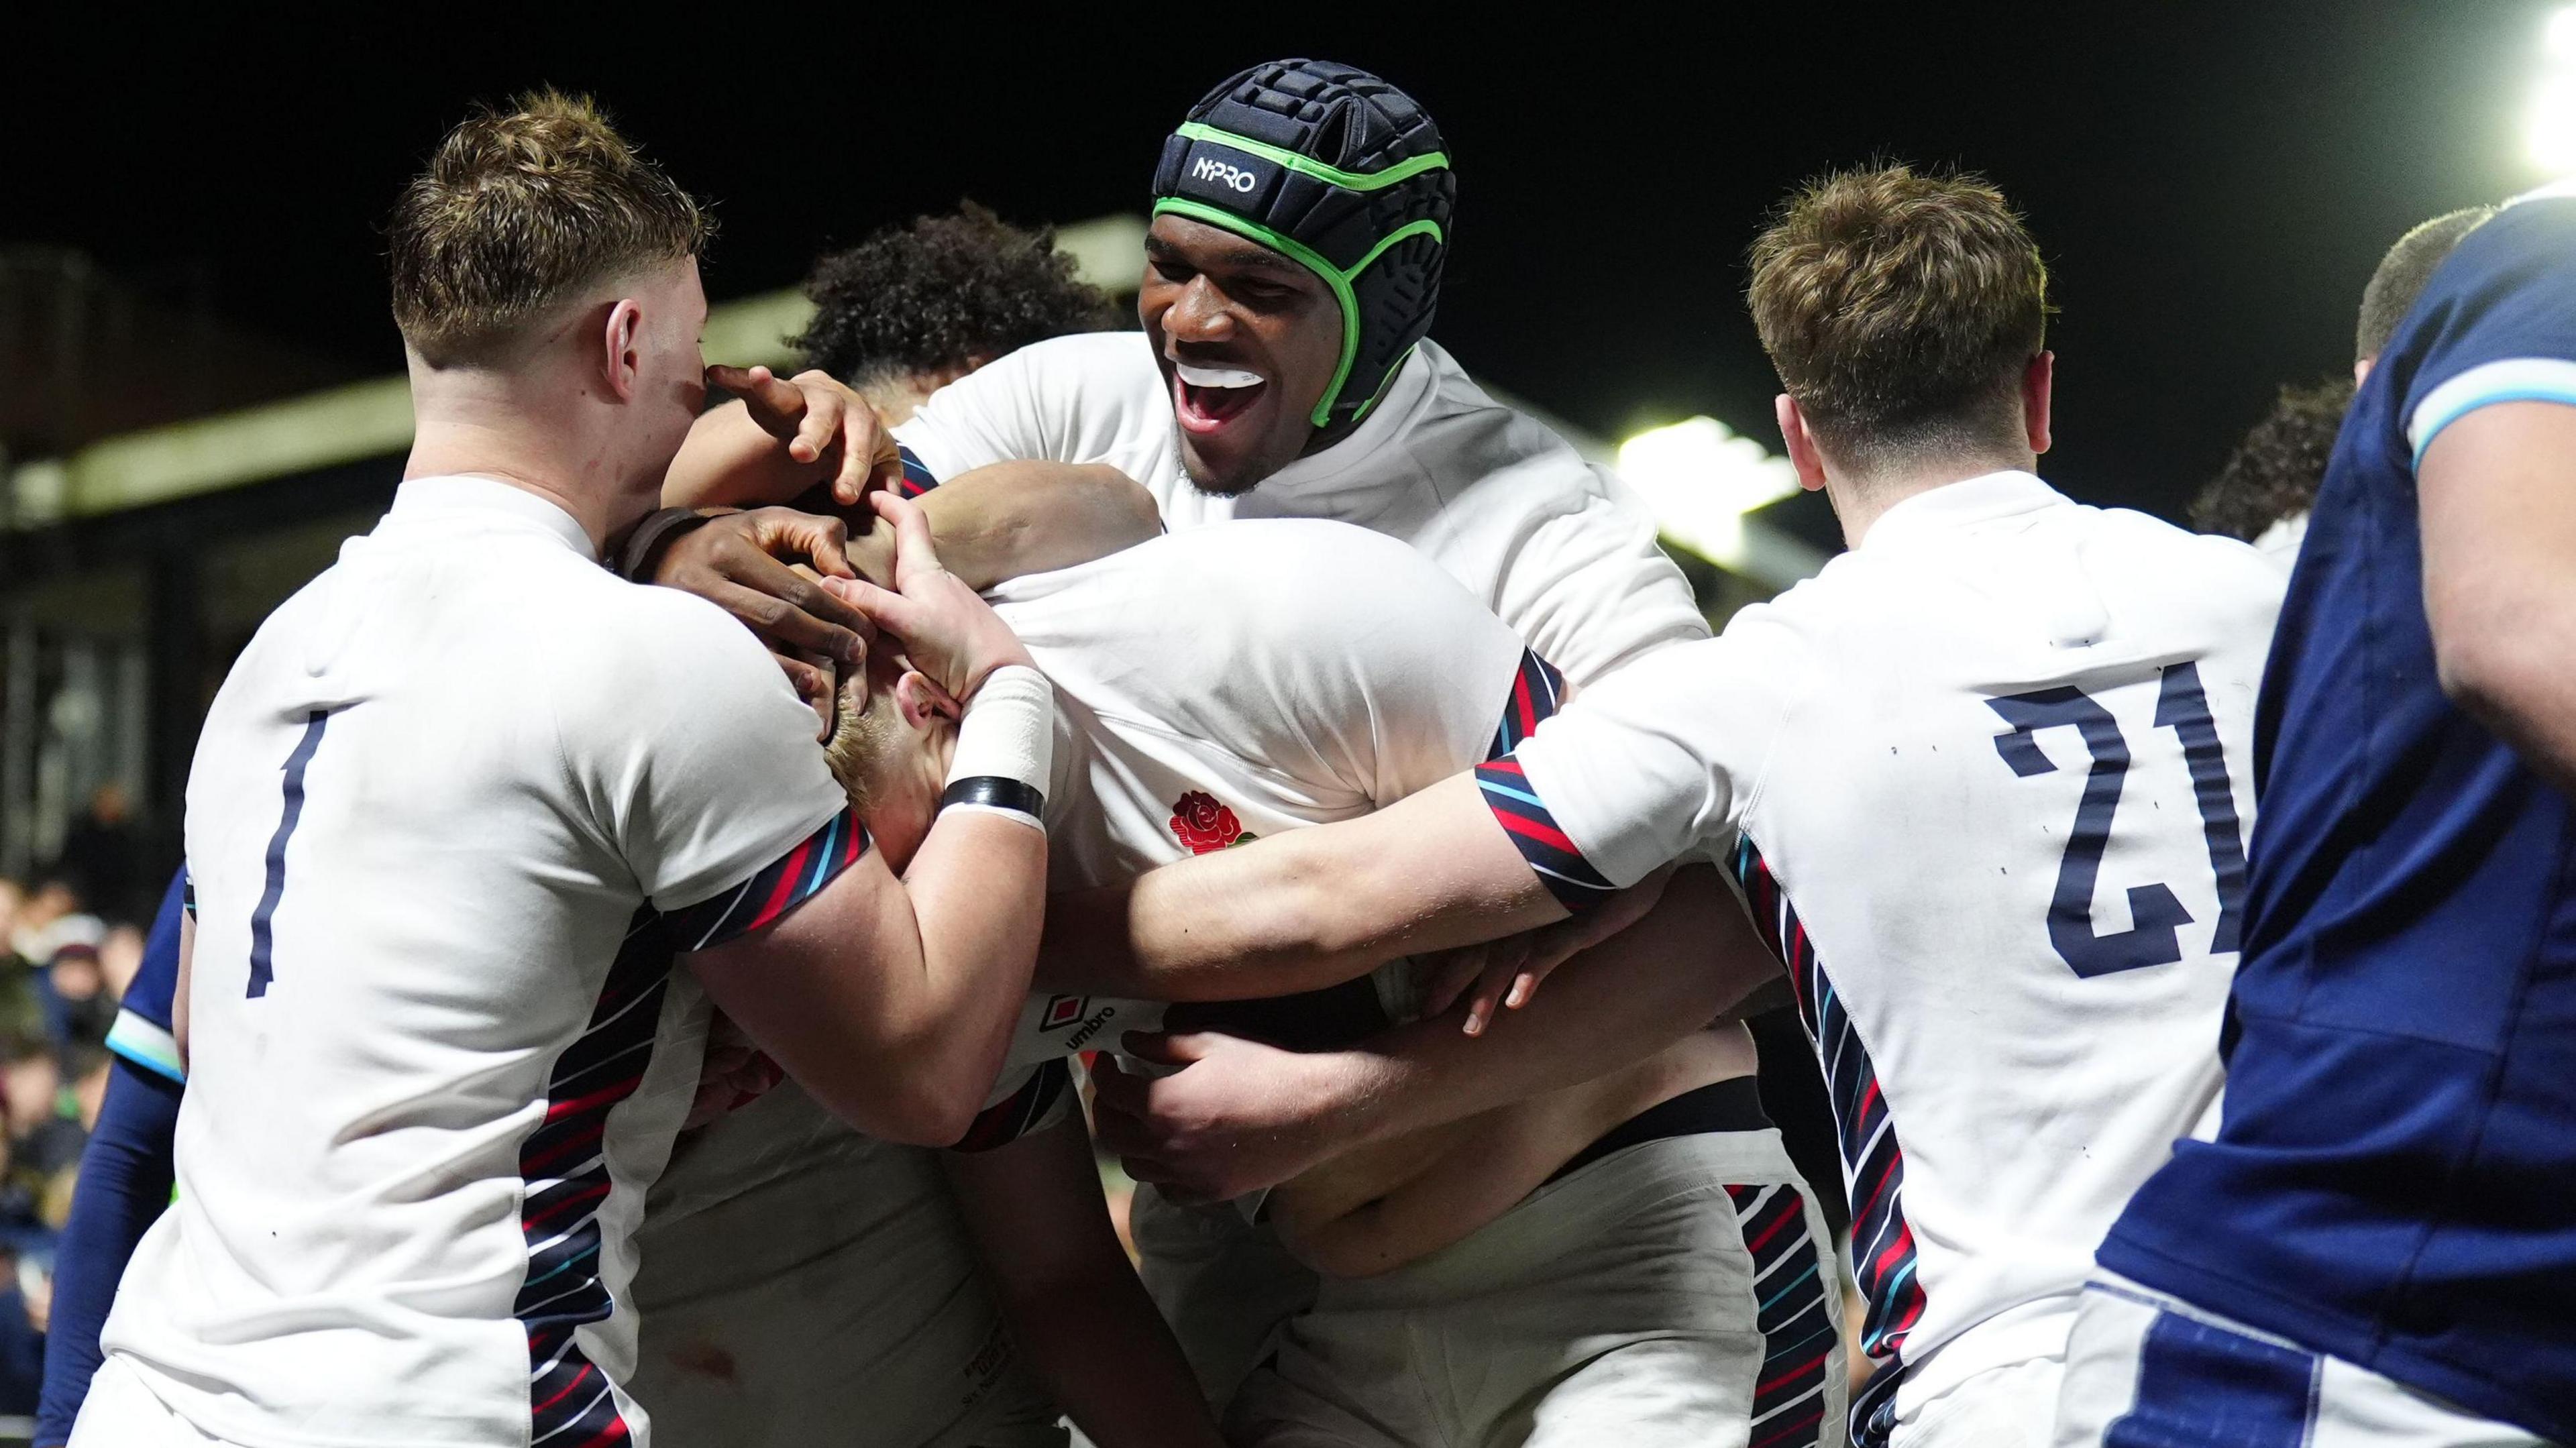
(763, 898)
(1537, 690)
(1559, 863)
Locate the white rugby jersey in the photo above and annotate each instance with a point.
(1558, 549)
(1986, 783)
(439, 810)
(1223, 684)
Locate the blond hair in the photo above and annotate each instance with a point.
(1899, 309)
(868, 736)
(519, 212)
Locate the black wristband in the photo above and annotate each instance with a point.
(994, 791)
(647, 542)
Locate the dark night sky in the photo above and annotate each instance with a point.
(2211, 182)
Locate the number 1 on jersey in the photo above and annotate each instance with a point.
(261, 932)
(2156, 916)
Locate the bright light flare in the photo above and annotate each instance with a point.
(2551, 121)
(2560, 35)
(2553, 126)
(1700, 479)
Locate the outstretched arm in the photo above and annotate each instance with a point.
(1240, 1116)
(1302, 910)
(1002, 520)
(990, 524)
(779, 437)
(1069, 1296)
(812, 442)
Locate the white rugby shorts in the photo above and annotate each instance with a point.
(1679, 1293)
(2146, 1367)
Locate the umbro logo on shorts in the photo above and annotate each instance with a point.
(1062, 1011)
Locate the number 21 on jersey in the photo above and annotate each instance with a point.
(2155, 914)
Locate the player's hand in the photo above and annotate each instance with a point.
(1238, 1116)
(735, 1074)
(1506, 973)
(821, 421)
(738, 563)
(948, 633)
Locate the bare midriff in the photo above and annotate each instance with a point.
(1378, 1207)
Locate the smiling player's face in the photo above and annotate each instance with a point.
(1247, 339)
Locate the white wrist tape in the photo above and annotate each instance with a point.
(1005, 747)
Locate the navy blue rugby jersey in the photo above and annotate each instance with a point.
(2395, 1179)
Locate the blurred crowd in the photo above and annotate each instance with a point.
(71, 939)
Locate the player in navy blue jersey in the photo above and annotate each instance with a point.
(2380, 1245)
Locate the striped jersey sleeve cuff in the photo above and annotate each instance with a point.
(1537, 688)
(766, 896)
(2518, 379)
(146, 1045)
(917, 477)
(1034, 1107)
(1534, 832)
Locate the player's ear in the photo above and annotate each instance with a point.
(621, 348)
(922, 700)
(2038, 383)
(1801, 444)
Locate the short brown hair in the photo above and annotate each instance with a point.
(521, 210)
(2402, 273)
(1899, 309)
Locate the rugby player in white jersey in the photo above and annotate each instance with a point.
(1984, 784)
(445, 855)
(802, 1281)
(1285, 370)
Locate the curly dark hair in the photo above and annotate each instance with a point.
(2274, 472)
(941, 293)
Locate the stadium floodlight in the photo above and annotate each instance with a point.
(2553, 125)
(1700, 479)
(2552, 118)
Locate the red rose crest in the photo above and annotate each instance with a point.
(1204, 825)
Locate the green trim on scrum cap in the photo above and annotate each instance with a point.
(1384, 383)
(1404, 170)
(1337, 280)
